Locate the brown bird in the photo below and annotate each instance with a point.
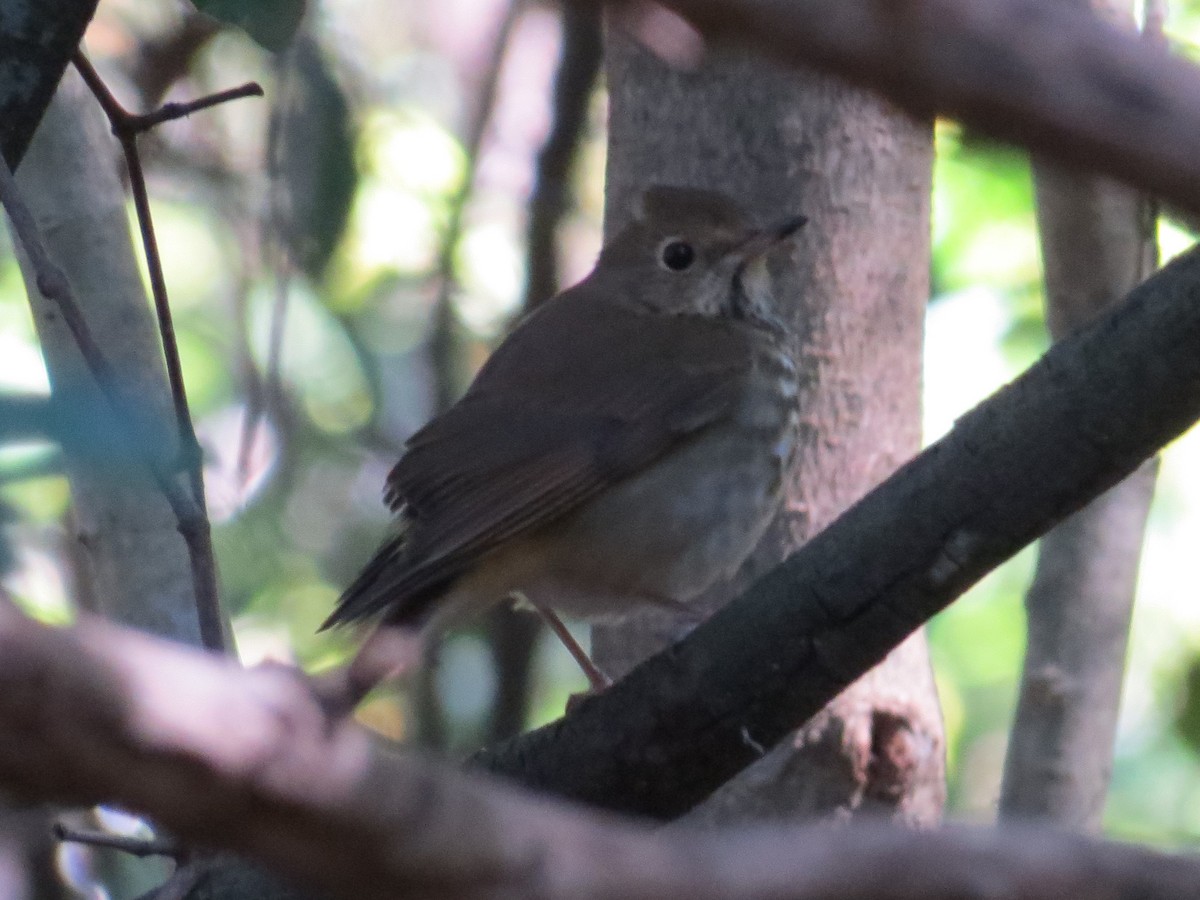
(623, 447)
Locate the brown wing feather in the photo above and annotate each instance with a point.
(554, 417)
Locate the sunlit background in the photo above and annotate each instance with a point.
(380, 97)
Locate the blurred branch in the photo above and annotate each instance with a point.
(314, 799)
(444, 353)
(512, 634)
(195, 527)
(162, 60)
(1041, 74)
(1077, 422)
(135, 846)
(575, 81)
(265, 388)
(442, 344)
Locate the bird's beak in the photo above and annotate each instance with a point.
(751, 279)
(760, 242)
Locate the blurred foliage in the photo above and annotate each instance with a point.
(369, 137)
(1187, 719)
(8, 557)
(316, 142)
(271, 23)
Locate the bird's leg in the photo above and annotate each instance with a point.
(595, 676)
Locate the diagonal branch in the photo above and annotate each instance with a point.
(1074, 424)
(442, 349)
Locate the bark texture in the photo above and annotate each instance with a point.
(138, 561)
(854, 294)
(36, 43)
(1098, 242)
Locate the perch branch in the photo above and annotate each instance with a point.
(1077, 422)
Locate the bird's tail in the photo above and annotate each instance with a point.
(374, 592)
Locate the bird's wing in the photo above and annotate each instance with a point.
(575, 400)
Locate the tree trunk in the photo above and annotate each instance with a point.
(1098, 242)
(138, 561)
(785, 142)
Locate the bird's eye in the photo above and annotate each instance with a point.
(678, 255)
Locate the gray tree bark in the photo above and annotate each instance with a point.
(1098, 242)
(137, 560)
(36, 43)
(784, 142)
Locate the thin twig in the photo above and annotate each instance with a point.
(446, 388)
(168, 112)
(135, 846)
(1154, 22)
(127, 126)
(271, 238)
(191, 521)
(578, 69)
(267, 396)
(512, 634)
(431, 730)
(123, 126)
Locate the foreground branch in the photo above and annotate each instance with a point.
(1081, 419)
(98, 713)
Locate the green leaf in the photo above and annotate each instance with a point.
(8, 557)
(1187, 718)
(317, 160)
(271, 23)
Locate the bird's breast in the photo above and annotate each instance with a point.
(672, 530)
